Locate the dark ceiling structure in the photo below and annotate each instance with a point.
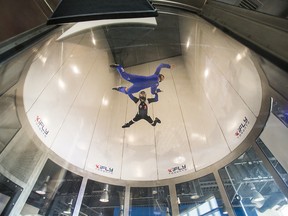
(77, 11)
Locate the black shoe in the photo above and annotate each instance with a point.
(114, 65)
(126, 125)
(116, 89)
(157, 120)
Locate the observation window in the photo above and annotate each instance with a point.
(102, 199)
(251, 189)
(200, 197)
(150, 201)
(54, 193)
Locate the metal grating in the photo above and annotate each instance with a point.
(21, 160)
(250, 4)
(9, 124)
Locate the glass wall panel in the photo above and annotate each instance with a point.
(280, 110)
(9, 193)
(9, 124)
(54, 193)
(102, 199)
(148, 201)
(11, 71)
(253, 190)
(273, 139)
(200, 197)
(274, 162)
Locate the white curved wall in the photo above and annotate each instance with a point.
(211, 90)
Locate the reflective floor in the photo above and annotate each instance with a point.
(208, 104)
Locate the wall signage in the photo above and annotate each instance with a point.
(40, 124)
(242, 127)
(104, 169)
(177, 169)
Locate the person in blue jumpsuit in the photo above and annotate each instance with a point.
(140, 82)
(143, 109)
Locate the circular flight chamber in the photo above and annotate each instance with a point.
(207, 104)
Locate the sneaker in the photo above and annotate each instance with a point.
(114, 65)
(158, 90)
(126, 125)
(157, 120)
(116, 89)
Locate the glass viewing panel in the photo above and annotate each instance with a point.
(148, 201)
(9, 124)
(9, 193)
(54, 193)
(251, 189)
(102, 199)
(280, 111)
(274, 162)
(200, 197)
(10, 71)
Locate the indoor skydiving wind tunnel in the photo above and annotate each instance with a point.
(220, 145)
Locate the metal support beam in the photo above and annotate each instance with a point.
(223, 193)
(80, 197)
(173, 197)
(127, 200)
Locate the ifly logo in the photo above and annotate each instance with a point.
(41, 126)
(177, 169)
(104, 169)
(242, 127)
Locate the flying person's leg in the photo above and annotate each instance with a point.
(127, 76)
(121, 71)
(158, 69)
(135, 119)
(131, 78)
(132, 89)
(156, 121)
(153, 123)
(120, 89)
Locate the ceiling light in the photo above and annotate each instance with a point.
(105, 195)
(194, 196)
(121, 213)
(225, 210)
(43, 189)
(68, 210)
(154, 191)
(168, 212)
(256, 196)
(194, 190)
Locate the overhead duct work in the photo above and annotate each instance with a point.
(69, 11)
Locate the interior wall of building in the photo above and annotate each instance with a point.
(20, 161)
(20, 16)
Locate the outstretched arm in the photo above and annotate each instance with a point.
(162, 65)
(155, 99)
(133, 98)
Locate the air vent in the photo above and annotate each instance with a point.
(21, 160)
(250, 4)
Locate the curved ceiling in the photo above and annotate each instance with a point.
(210, 101)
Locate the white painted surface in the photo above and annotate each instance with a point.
(207, 94)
